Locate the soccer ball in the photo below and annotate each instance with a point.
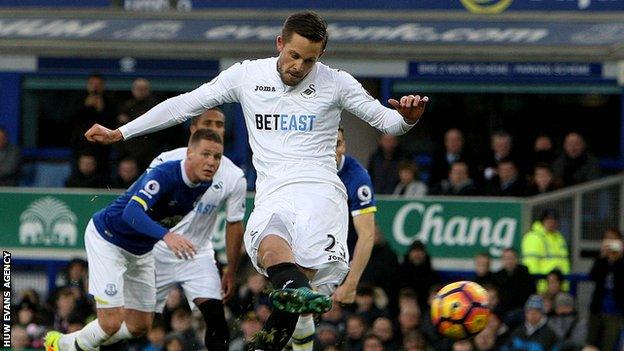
(459, 310)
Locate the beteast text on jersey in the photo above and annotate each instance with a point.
(282, 121)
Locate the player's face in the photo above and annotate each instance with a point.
(204, 157)
(341, 147)
(297, 58)
(211, 119)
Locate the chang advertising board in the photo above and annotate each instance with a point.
(451, 229)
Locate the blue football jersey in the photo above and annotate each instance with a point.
(361, 197)
(162, 193)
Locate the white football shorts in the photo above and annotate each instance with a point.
(118, 278)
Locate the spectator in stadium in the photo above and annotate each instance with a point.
(544, 248)
(458, 182)
(382, 261)
(543, 151)
(143, 149)
(487, 340)
(174, 342)
(87, 175)
(554, 286)
(65, 304)
(542, 180)
(383, 164)
(250, 325)
(507, 181)
(373, 343)
(175, 300)
(356, 330)
(501, 144)
(434, 338)
(515, 285)
(442, 160)
(326, 334)
(9, 160)
(483, 273)
(607, 303)
(384, 330)
(414, 341)
(409, 319)
(250, 294)
(409, 186)
(181, 323)
(94, 107)
(155, 337)
(19, 338)
(462, 345)
(534, 334)
(335, 316)
(576, 165)
(127, 172)
(28, 319)
(417, 273)
(365, 304)
(570, 328)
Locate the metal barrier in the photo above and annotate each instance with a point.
(586, 211)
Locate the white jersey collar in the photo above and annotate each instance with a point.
(185, 177)
(342, 162)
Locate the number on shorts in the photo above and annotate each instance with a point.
(332, 244)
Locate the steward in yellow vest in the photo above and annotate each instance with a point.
(544, 248)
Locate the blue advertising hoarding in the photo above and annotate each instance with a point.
(473, 6)
(455, 32)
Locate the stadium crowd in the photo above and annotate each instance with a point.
(453, 168)
(388, 314)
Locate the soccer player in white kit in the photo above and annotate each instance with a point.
(199, 277)
(292, 106)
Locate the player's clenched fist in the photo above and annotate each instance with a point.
(103, 135)
(180, 246)
(410, 107)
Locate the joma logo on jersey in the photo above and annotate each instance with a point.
(264, 88)
(279, 121)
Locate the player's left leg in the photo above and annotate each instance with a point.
(201, 283)
(217, 336)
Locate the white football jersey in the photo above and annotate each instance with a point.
(229, 187)
(292, 129)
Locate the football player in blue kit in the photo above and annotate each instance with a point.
(119, 240)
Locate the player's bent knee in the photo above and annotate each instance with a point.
(111, 325)
(139, 329)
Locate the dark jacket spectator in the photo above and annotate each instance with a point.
(145, 148)
(9, 160)
(542, 181)
(127, 173)
(87, 175)
(382, 261)
(501, 145)
(458, 183)
(570, 328)
(514, 282)
(607, 304)
(535, 334)
(543, 151)
(95, 107)
(416, 273)
(483, 274)
(442, 160)
(383, 165)
(576, 165)
(508, 181)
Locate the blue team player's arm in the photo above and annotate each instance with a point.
(149, 191)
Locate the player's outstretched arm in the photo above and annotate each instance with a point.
(234, 232)
(365, 228)
(103, 135)
(411, 107)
